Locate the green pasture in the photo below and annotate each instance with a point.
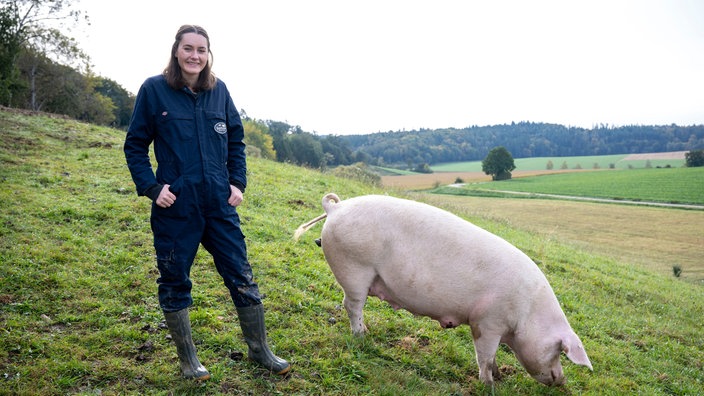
(669, 185)
(79, 312)
(578, 162)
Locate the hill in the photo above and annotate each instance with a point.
(523, 140)
(79, 315)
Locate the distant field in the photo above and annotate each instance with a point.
(675, 185)
(424, 181)
(619, 161)
(655, 238)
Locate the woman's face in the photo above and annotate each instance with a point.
(192, 55)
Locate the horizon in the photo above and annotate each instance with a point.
(370, 67)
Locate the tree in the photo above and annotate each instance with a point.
(121, 98)
(498, 163)
(282, 146)
(306, 150)
(9, 50)
(694, 158)
(255, 135)
(37, 27)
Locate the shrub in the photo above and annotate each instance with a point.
(359, 172)
(694, 158)
(423, 168)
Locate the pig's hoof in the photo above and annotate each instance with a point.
(318, 242)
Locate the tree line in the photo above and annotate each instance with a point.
(523, 140)
(42, 69)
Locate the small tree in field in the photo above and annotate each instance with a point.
(498, 163)
(694, 158)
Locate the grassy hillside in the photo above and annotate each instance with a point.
(78, 309)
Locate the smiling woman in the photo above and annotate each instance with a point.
(201, 176)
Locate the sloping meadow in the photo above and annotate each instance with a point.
(78, 308)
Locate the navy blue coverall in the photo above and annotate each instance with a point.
(199, 149)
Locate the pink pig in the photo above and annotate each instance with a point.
(433, 263)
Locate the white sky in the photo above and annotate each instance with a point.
(364, 66)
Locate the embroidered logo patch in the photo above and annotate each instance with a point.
(220, 127)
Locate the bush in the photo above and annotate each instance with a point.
(359, 172)
(694, 158)
(423, 168)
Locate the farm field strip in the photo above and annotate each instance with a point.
(654, 238)
(602, 200)
(618, 161)
(674, 185)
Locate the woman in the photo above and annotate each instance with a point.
(201, 176)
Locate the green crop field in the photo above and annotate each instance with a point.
(670, 185)
(79, 313)
(581, 162)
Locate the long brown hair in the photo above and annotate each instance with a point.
(174, 77)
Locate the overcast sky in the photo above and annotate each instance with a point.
(364, 66)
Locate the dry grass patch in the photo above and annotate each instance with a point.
(655, 238)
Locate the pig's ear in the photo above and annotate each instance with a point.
(573, 348)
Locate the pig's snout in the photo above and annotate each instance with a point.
(553, 378)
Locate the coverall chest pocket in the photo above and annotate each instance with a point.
(181, 126)
(217, 134)
(217, 123)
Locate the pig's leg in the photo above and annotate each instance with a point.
(356, 286)
(354, 304)
(485, 347)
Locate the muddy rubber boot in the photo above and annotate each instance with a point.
(179, 325)
(254, 331)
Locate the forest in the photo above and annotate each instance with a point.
(522, 140)
(36, 74)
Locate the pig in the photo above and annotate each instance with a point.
(433, 263)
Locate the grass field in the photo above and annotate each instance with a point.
(79, 315)
(619, 161)
(654, 238)
(672, 185)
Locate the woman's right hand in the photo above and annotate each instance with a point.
(166, 198)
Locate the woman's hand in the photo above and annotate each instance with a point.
(166, 198)
(235, 196)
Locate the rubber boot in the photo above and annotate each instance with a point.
(254, 331)
(179, 325)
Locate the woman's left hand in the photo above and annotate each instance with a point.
(236, 196)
